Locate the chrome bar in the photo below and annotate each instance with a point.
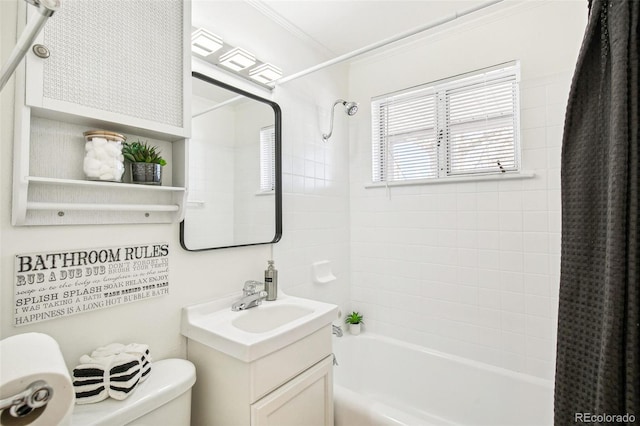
(37, 395)
(46, 8)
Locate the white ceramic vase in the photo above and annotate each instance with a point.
(354, 329)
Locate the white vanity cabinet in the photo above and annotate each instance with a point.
(120, 66)
(291, 386)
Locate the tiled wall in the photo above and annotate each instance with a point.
(470, 268)
(316, 187)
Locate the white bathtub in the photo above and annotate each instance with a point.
(383, 381)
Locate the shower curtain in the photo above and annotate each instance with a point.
(598, 352)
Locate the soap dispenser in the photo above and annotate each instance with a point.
(271, 281)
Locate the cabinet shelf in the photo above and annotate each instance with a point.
(56, 201)
(101, 184)
(103, 207)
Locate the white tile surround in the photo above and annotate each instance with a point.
(316, 187)
(469, 268)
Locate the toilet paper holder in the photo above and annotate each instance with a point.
(36, 395)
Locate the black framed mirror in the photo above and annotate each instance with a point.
(235, 169)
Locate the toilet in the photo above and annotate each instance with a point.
(163, 399)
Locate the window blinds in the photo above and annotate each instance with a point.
(463, 126)
(267, 158)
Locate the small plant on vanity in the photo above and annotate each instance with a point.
(146, 162)
(354, 319)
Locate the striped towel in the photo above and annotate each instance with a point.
(141, 351)
(112, 371)
(124, 375)
(90, 379)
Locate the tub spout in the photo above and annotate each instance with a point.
(336, 330)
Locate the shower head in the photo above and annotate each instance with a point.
(351, 108)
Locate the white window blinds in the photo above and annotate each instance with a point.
(462, 126)
(267, 158)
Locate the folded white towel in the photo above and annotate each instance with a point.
(108, 350)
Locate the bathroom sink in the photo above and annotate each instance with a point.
(253, 333)
(269, 317)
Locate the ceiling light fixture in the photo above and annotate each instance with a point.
(265, 73)
(204, 43)
(237, 59)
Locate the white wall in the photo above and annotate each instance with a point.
(194, 277)
(469, 268)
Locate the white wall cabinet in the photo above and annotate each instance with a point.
(113, 65)
(291, 386)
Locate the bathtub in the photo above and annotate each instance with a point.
(383, 381)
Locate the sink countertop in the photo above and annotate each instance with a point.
(212, 324)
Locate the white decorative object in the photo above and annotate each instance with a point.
(321, 272)
(103, 159)
(57, 284)
(355, 329)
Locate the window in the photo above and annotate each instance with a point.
(467, 125)
(267, 159)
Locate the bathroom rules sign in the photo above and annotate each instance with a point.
(57, 284)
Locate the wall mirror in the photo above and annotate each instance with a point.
(235, 196)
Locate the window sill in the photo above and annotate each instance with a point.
(479, 178)
(261, 193)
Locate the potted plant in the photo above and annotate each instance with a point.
(146, 162)
(354, 319)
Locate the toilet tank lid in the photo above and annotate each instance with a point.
(169, 379)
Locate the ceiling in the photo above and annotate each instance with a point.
(295, 34)
(340, 26)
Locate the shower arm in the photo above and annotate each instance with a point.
(326, 136)
(33, 28)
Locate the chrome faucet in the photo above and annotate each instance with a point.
(251, 296)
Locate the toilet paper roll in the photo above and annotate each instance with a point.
(26, 358)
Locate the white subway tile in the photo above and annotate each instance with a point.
(511, 261)
(512, 302)
(513, 342)
(489, 299)
(511, 241)
(513, 322)
(538, 305)
(511, 220)
(537, 285)
(536, 242)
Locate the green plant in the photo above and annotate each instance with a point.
(141, 152)
(354, 318)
